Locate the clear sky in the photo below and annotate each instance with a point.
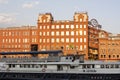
(25, 12)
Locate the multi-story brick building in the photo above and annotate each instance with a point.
(109, 46)
(72, 36)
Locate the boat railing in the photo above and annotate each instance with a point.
(32, 59)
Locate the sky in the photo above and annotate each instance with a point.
(14, 13)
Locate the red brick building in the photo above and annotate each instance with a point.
(109, 46)
(72, 36)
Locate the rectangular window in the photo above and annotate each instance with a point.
(47, 33)
(57, 40)
(62, 26)
(76, 26)
(52, 33)
(47, 40)
(72, 26)
(84, 26)
(80, 32)
(76, 32)
(80, 26)
(40, 40)
(52, 40)
(62, 39)
(76, 39)
(40, 33)
(57, 33)
(80, 39)
(53, 27)
(84, 39)
(43, 33)
(43, 40)
(80, 20)
(84, 32)
(48, 27)
(67, 26)
(80, 47)
(62, 33)
(57, 26)
(84, 46)
(40, 27)
(72, 33)
(67, 33)
(72, 39)
(67, 39)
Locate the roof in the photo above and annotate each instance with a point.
(34, 52)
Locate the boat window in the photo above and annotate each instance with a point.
(66, 57)
(88, 66)
(45, 66)
(93, 66)
(107, 66)
(13, 65)
(70, 57)
(112, 66)
(102, 66)
(41, 66)
(116, 66)
(84, 66)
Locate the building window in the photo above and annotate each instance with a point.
(76, 26)
(80, 39)
(67, 33)
(19, 40)
(48, 27)
(3, 40)
(52, 33)
(43, 33)
(12, 40)
(80, 32)
(84, 39)
(62, 39)
(76, 32)
(80, 47)
(44, 27)
(62, 26)
(52, 40)
(85, 47)
(40, 40)
(9, 33)
(40, 33)
(62, 33)
(72, 33)
(57, 33)
(9, 40)
(80, 26)
(43, 40)
(84, 32)
(48, 40)
(76, 39)
(53, 27)
(33, 32)
(57, 26)
(72, 40)
(80, 20)
(72, 26)
(84, 26)
(33, 39)
(57, 40)
(67, 40)
(40, 27)
(67, 26)
(47, 33)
